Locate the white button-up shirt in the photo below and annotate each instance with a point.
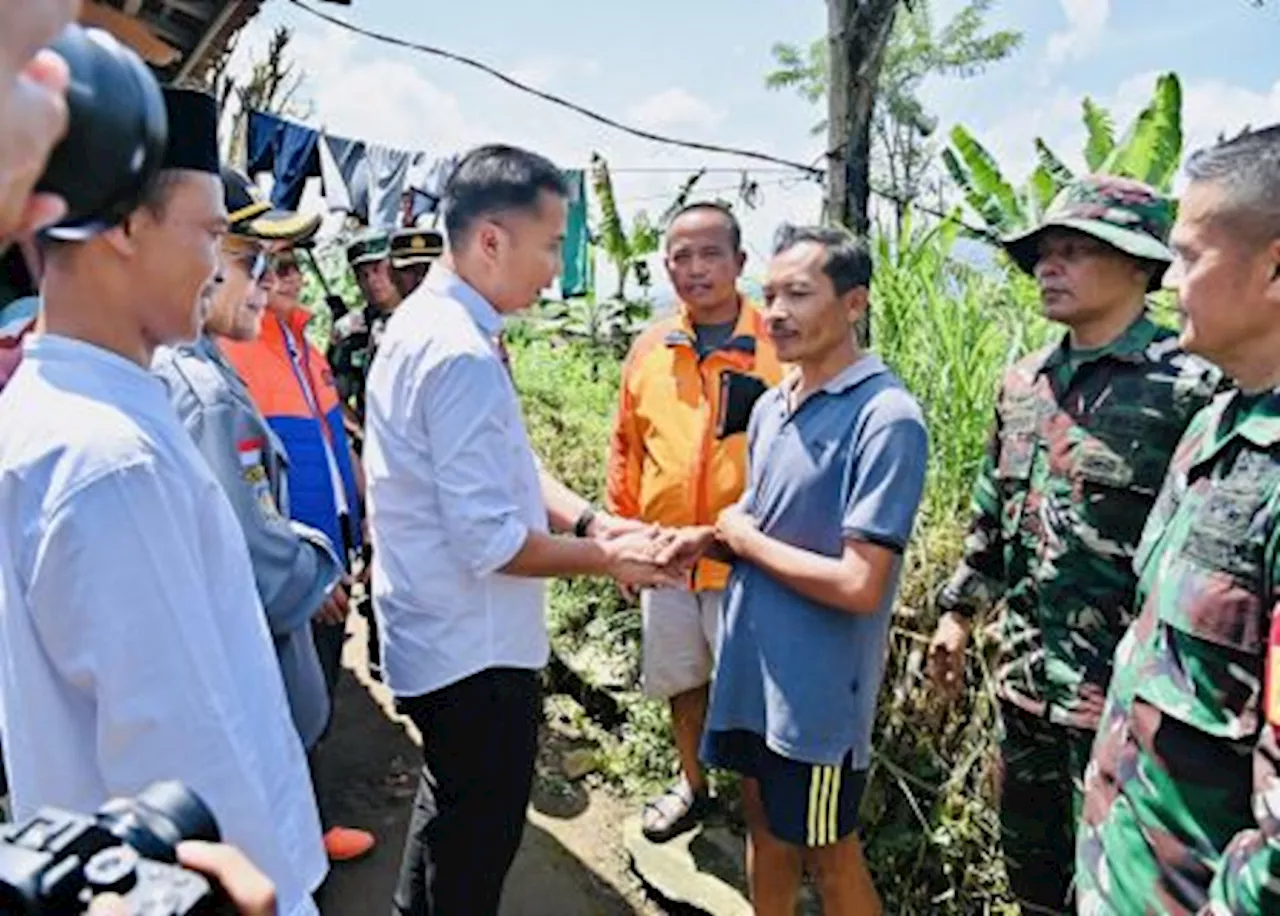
(453, 493)
(133, 647)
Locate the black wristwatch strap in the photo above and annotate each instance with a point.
(584, 521)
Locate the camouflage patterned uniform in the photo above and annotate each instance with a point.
(1182, 798)
(356, 334)
(1080, 446)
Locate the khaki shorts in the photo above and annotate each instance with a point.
(681, 635)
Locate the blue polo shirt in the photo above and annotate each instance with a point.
(848, 464)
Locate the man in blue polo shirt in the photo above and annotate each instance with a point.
(835, 470)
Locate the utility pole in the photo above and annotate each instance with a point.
(857, 34)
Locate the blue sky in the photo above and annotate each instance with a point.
(695, 68)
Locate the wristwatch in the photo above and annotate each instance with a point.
(584, 521)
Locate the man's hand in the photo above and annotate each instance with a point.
(734, 528)
(683, 547)
(945, 663)
(33, 111)
(251, 892)
(605, 526)
(633, 559)
(335, 608)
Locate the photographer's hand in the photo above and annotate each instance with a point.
(250, 891)
(33, 111)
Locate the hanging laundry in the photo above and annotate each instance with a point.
(365, 179)
(340, 161)
(388, 171)
(426, 180)
(287, 150)
(574, 272)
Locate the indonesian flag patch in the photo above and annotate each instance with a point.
(1273, 669)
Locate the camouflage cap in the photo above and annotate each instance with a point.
(371, 245)
(415, 246)
(1128, 215)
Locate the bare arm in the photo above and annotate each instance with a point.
(855, 582)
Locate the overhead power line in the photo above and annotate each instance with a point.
(555, 99)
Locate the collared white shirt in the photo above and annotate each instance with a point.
(133, 647)
(453, 493)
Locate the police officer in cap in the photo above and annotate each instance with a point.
(412, 253)
(298, 570)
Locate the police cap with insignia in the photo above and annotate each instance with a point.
(368, 247)
(251, 215)
(415, 246)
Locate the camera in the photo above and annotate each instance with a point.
(56, 862)
(117, 129)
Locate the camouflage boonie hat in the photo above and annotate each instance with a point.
(367, 247)
(415, 246)
(1128, 215)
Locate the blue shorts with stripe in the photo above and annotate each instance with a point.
(805, 804)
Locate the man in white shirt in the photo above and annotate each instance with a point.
(133, 646)
(460, 515)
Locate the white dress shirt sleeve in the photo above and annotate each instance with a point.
(119, 583)
(465, 407)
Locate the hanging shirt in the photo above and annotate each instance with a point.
(289, 151)
(453, 494)
(133, 646)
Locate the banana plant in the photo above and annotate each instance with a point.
(1149, 151)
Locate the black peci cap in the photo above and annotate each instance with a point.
(193, 131)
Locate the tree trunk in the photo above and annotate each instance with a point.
(858, 33)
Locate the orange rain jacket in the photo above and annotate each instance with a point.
(666, 465)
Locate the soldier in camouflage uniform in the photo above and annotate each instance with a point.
(1182, 795)
(1083, 432)
(356, 333)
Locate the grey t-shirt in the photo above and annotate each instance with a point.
(711, 337)
(848, 464)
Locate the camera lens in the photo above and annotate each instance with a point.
(116, 132)
(158, 819)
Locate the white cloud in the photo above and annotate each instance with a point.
(541, 72)
(675, 107)
(1086, 21)
(1209, 108)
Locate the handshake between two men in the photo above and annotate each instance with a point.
(653, 556)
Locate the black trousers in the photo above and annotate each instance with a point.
(479, 739)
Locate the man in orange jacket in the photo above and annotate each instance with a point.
(677, 457)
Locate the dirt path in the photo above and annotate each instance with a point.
(571, 861)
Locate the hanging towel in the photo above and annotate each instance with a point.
(574, 274)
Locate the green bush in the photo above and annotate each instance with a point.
(948, 330)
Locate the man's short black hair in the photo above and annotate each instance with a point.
(711, 206)
(1247, 168)
(848, 261)
(494, 179)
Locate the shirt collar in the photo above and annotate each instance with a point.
(866, 366)
(55, 348)
(444, 282)
(1131, 346)
(1261, 427)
